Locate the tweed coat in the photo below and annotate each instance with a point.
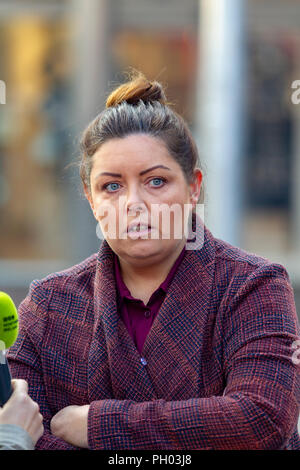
(217, 368)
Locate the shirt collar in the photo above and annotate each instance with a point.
(122, 290)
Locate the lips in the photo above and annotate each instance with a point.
(138, 226)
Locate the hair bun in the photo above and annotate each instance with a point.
(138, 88)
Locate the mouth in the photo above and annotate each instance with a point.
(138, 228)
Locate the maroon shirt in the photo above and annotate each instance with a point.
(137, 316)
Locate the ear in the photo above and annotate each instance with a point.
(195, 187)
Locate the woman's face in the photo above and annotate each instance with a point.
(135, 179)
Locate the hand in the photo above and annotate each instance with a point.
(71, 425)
(22, 411)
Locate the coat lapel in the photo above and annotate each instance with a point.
(173, 345)
(115, 367)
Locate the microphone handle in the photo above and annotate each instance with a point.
(5, 380)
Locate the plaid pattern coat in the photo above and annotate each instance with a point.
(216, 369)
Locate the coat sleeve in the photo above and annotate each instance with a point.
(24, 359)
(260, 403)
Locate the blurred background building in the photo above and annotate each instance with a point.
(228, 65)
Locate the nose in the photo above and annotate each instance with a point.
(134, 202)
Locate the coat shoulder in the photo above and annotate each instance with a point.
(76, 280)
(235, 266)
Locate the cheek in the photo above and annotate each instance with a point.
(179, 197)
(178, 191)
(111, 220)
(102, 208)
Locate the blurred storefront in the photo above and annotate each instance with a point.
(36, 69)
(272, 214)
(59, 59)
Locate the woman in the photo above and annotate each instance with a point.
(158, 341)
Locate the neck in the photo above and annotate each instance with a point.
(151, 274)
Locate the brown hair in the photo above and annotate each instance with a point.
(139, 106)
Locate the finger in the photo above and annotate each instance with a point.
(19, 385)
(41, 431)
(38, 429)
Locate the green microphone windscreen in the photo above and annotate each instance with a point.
(9, 324)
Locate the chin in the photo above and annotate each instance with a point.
(149, 249)
(139, 249)
(144, 248)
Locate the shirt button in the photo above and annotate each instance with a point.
(143, 361)
(147, 313)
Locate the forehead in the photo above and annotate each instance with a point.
(134, 149)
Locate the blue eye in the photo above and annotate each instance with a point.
(158, 180)
(113, 187)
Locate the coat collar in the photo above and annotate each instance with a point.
(187, 298)
(124, 293)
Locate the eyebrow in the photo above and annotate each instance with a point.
(106, 173)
